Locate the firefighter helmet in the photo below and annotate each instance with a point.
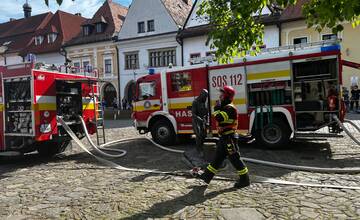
(229, 92)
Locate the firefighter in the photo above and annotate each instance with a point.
(199, 116)
(225, 114)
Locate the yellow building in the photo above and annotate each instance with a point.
(95, 49)
(294, 30)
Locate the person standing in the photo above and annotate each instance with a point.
(354, 98)
(199, 118)
(346, 98)
(225, 113)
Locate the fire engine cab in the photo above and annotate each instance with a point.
(280, 93)
(32, 97)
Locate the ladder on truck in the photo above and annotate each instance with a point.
(99, 114)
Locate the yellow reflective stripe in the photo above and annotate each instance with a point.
(268, 75)
(224, 115)
(212, 169)
(228, 132)
(44, 107)
(243, 171)
(88, 106)
(1, 107)
(230, 121)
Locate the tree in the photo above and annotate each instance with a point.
(58, 1)
(236, 24)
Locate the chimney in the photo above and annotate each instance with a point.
(27, 10)
(78, 14)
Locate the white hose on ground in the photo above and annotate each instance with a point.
(100, 149)
(346, 130)
(353, 124)
(258, 179)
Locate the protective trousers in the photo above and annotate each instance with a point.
(226, 147)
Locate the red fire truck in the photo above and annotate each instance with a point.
(280, 93)
(32, 96)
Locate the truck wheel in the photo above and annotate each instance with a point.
(51, 148)
(276, 134)
(163, 133)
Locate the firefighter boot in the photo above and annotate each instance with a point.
(207, 176)
(243, 181)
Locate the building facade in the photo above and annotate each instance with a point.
(193, 36)
(94, 49)
(294, 30)
(147, 40)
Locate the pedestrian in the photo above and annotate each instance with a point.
(346, 98)
(124, 104)
(103, 104)
(354, 98)
(225, 113)
(199, 118)
(115, 103)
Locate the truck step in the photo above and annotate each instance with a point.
(318, 135)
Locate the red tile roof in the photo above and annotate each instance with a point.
(293, 12)
(20, 32)
(66, 25)
(110, 13)
(178, 9)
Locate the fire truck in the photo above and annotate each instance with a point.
(281, 93)
(32, 96)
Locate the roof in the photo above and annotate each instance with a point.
(293, 12)
(110, 13)
(20, 32)
(65, 25)
(178, 9)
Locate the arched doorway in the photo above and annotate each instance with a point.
(129, 91)
(109, 94)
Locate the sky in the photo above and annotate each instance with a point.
(87, 8)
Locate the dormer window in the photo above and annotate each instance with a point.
(141, 27)
(39, 40)
(99, 27)
(86, 30)
(52, 37)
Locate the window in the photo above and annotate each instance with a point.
(108, 66)
(52, 38)
(163, 57)
(181, 82)
(193, 57)
(147, 90)
(131, 61)
(39, 40)
(86, 30)
(300, 40)
(150, 25)
(86, 66)
(99, 27)
(77, 67)
(141, 27)
(329, 37)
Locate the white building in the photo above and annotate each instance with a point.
(147, 40)
(194, 34)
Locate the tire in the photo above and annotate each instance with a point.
(51, 148)
(273, 135)
(163, 133)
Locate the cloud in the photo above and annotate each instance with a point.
(87, 8)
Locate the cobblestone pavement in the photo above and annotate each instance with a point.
(73, 185)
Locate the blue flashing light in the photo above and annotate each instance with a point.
(151, 71)
(330, 48)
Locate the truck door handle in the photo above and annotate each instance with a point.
(156, 105)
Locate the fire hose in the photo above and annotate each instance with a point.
(259, 179)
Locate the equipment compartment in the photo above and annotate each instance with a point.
(18, 113)
(68, 100)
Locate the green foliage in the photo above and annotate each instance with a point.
(237, 28)
(59, 2)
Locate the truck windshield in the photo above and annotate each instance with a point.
(146, 90)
